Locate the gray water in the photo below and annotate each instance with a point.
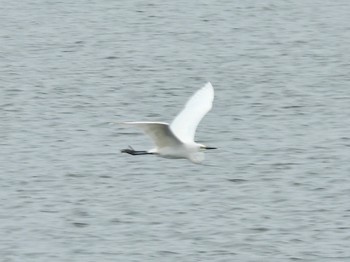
(278, 187)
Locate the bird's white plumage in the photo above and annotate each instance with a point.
(159, 132)
(185, 124)
(177, 140)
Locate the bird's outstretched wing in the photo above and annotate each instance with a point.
(159, 132)
(185, 124)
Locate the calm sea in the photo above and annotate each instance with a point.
(278, 187)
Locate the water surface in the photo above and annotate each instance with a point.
(276, 190)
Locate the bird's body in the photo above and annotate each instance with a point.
(177, 140)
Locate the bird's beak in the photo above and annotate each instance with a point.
(209, 147)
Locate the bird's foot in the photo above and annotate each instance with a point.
(129, 150)
(133, 152)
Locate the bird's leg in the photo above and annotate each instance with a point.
(133, 152)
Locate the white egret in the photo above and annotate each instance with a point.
(177, 139)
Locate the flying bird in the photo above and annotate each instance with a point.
(177, 139)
